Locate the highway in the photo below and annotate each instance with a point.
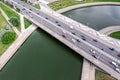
(103, 52)
(88, 39)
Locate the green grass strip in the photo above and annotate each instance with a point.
(115, 35)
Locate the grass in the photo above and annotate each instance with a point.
(59, 4)
(36, 6)
(10, 13)
(3, 47)
(115, 35)
(102, 76)
(27, 23)
(3, 22)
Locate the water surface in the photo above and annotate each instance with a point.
(96, 17)
(42, 57)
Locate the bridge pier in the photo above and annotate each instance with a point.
(88, 70)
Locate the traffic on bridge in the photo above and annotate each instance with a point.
(95, 50)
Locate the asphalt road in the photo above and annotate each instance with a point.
(74, 36)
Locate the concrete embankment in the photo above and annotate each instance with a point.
(16, 44)
(109, 30)
(88, 71)
(87, 5)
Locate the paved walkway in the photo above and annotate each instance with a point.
(16, 44)
(47, 1)
(110, 29)
(22, 22)
(6, 17)
(86, 5)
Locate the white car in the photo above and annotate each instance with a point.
(91, 50)
(114, 63)
(117, 69)
(71, 27)
(73, 40)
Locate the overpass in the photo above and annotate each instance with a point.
(100, 49)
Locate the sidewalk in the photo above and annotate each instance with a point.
(6, 17)
(22, 22)
(109, 30)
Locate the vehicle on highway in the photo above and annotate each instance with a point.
(71, 27)
(114, 63)
(73, 40)
(63, 36)
(112, 49)
(93, 51)
(95, 40)
(96, 56)
(77, 40)
(118, 55)
(117, 69)
(73, 33)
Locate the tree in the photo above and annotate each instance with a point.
(15, 22)
(8, 37)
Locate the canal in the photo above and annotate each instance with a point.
(42, 57)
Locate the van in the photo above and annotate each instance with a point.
(117, 69)
(114, 63)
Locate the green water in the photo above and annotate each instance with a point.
(96, 17)
(42, 57)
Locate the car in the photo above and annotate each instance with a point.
(73, 40)
(112, 49)
(114, 63)
(23, 9)
(73, 33)
(77, 40)
(118, 55)
(117, 69)
(46, 18)
(93, 51)
(56, 21)
(58, 24)
(38, 13)
(30, 9)
(71, 27)
(95, 40)
(96, 56)
(84, 39)
(63, 36)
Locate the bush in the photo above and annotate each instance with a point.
(8, 37)
(15, 22)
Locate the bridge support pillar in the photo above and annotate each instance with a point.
(88, 71)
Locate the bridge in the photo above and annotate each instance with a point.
(98, 48)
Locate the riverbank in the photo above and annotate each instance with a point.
(110, 29)
(57, 5)
(86, 5)
(15, 45)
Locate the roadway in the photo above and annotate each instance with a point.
(74, 36)
(78, 33)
